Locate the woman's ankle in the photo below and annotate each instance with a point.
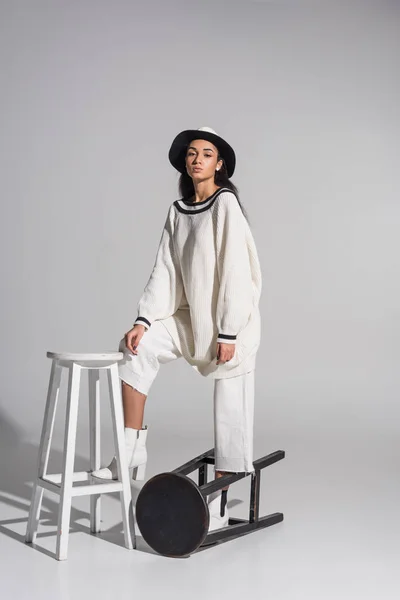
(219, 474)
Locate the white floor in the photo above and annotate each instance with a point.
(340, 538)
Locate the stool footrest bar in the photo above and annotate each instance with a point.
(56, 478)
(238, 529)
(52, 483)
(268, 460)
(195, 463)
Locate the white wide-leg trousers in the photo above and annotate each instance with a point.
(233, 397)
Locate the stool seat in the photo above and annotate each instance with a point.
(172, 514)
(90, 359)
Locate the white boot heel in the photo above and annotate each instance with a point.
(139, 472)
(135, 456)
(218, 510)
(139, 459)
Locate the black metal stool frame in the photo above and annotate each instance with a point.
(236, 527)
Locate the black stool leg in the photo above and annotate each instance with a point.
(224, 499)
(255, 497)
(202, 474)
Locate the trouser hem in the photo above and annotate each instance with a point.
(234, 465)
(134, 380)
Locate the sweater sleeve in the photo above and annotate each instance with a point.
(163, 292)
(236, 290)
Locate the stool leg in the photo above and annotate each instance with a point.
(94, 424)
(44, 451)
(68, 462)
(123, 472)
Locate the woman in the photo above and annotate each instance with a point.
(200, 302)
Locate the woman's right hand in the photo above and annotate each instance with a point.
(133, 337)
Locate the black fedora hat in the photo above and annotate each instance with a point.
(177, 152)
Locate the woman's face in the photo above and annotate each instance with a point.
(202, 160)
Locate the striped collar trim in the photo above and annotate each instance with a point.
(189, 207)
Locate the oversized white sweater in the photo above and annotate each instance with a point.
(205, 285)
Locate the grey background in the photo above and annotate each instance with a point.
(92, 94)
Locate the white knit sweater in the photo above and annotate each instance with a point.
(205, 285)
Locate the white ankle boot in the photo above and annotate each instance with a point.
(214, 507)
(136, 453)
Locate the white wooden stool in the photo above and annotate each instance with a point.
(62, 483)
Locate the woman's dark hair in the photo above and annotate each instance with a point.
(186, 187)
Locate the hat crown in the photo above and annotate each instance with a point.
(208, 129)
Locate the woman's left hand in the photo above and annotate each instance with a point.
(225, 352)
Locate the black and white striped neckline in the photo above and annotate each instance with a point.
(189, 207)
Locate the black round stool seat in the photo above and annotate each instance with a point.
(172, 514)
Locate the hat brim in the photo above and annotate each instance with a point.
(177, 152)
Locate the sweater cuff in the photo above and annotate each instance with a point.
(142, 321)
(223, 338)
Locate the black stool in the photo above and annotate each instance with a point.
(172, 512)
